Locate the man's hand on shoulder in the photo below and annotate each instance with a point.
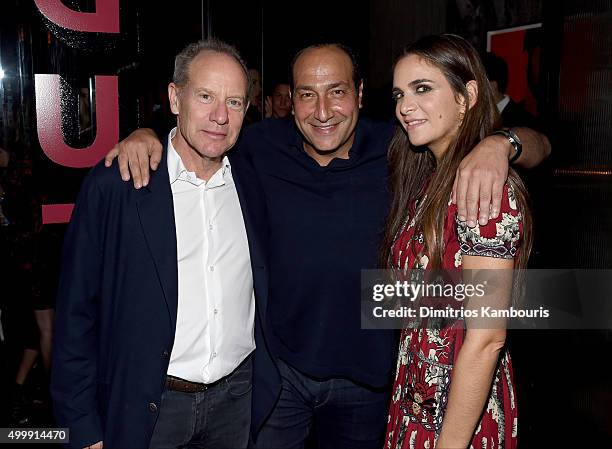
(479, 181)
(98, 445)
(135, 154)
(481, 175)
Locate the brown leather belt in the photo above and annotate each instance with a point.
(185, 386)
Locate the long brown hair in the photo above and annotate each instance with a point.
(410, 168)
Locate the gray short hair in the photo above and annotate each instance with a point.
(191, 51)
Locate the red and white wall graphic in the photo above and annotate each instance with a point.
(105, 19)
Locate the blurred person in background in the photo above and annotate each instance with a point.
(255, 111)
(278, 103)
(21, 207)
(30, 261)
(512, 113)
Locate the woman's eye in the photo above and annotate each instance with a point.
(423, 88)
(397, 95)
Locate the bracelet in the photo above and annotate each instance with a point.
(514, 141)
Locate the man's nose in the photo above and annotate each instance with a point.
(219, 114)
(323, 111)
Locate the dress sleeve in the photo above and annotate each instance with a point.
(500, 237)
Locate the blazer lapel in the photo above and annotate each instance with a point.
(156, 214)
(254, 214)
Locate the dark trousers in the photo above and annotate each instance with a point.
(343, 414)
(218, 418)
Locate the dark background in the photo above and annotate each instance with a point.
(564, 381)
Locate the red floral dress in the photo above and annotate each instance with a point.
(426, 356)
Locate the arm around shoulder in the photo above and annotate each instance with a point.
(536, 147)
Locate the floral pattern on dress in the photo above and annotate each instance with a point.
(502, 241)
(426, 356)
(458, 259)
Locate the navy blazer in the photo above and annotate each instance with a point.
(117, 303)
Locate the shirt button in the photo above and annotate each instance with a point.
(214, 354)
(210, 227)
(211, 268)
(165, 354)
(152, 407)
(216, 311)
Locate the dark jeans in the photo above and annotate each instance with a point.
(345, 415)
(218, 418)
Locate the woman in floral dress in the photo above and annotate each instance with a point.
(454, 383)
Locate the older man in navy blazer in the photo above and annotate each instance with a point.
(156, 306)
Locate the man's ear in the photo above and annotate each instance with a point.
(472, 90)
(173, 96)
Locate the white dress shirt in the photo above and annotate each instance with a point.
(216, 305)
(501, 104)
